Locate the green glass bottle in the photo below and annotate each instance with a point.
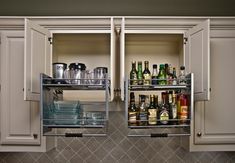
(132, 111)
(162, 75)
(152, 111)
(140, 73)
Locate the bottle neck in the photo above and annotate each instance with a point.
(146, 65)
(154, 71)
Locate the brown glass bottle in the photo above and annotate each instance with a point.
(132, 111)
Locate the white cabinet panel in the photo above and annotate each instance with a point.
(20, 123)
(37, 58)
(197, 59)
(214, 119)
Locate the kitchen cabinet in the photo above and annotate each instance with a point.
(20, 121)
(93, 41)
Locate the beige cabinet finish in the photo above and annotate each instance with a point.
(20, 120)
(214, 119)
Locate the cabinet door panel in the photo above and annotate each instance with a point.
(197, 59)
(17, 124)
(37, 58)
(214, 119)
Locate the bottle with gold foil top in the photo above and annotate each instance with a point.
(133, 74)
(146, 74)
(152, 111)
(132, 111)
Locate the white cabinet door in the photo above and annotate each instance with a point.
(37, 58)
(214, 119)
(122, 58)
(20, 122)
(112, 59)
(197, 59)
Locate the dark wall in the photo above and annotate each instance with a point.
(117, 7)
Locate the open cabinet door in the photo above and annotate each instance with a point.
(112, 59)
(197, 59)
(37, 58)
(122, 58)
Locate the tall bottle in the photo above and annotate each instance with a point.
(133, 74)
(182, 77)
(170, 75)
(174, 77)
(183, 110)
(162, 75)
(152, 111)
(154, 75)
(143, 111)
(140, 73)
(132, 111)
(146, 73)
(164, 110)
(173, 108)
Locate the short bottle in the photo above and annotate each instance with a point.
(162, 75)
(132, 111)
(133, 74)
(140, 73)
(154, 75)
(182, 77)
(164, 110)
(152, 111)
(174, 77)
(146, 74)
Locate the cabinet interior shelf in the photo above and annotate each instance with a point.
(74, 87)
(156, 87)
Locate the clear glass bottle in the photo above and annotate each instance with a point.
(174, 77)
(143, 111)
(162, 75)
(154, 75)
(182, 77)
(140, 73)
(152, 111)
(132, 111)
(133, 74)
(146, 73)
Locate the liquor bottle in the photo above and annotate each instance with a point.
(132, 111)
(154, 75)
(162, 75)
(164, 110)
(156, 106)
(182, 78)
(133, 74)
(170, 75)
(140, 73)
(167, 72)
(173, 108)
(183, 110)
(174, 77)
(146, 73)
(152, 111)
(143, 112)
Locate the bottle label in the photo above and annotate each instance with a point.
(152, 116)
(132, 117)
(164, 117)
(147, 79)
(183, 114)
(143, 118)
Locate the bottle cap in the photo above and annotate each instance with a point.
(182, 68)
(154, 65)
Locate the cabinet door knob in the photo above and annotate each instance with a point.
(199, 134)
(35, 136)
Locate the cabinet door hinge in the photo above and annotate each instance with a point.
(185, 40)
(50, 40)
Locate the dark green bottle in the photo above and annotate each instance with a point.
(140, 73)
